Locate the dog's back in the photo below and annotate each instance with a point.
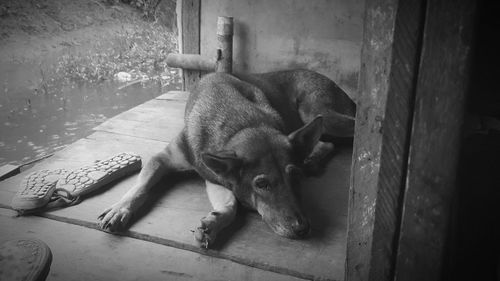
(306, 86)
(302, 95)
(222, 105)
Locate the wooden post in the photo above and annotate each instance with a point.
(190, 34)
(439, 110)
(390, 53)
(413, 82)
(224, 45)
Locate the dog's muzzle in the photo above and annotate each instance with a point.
(301, 228)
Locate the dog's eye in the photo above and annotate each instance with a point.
(293, 171)
(261, 182)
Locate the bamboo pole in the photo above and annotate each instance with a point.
(224, 45)
(192, 62)
(223, 61)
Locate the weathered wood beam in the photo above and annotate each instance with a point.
(190, 36)
(390, 58)
(434, 150)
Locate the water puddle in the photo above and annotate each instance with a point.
(36, 122)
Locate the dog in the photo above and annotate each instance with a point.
(249, 137)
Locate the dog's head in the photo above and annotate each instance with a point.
(261, 167)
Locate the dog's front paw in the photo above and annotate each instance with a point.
(206, 232)
(315, 164)
(313, 168)
(115, 217)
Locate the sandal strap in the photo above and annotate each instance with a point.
(62, 198)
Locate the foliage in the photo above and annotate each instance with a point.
(141, 53)
(147, 7)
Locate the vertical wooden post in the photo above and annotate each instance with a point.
(439, 110)
(390, 54)
(413, 83)
(224, 45)
(190, 34)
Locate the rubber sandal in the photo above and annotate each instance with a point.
(37, 189)
(89, 178)
(49, 189)
(25, 259)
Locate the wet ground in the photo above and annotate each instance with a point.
(58, 65)
(35, 124)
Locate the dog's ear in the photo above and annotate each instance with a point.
(305, 138)
(222, 163)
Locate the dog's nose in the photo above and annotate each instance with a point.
(301, 228)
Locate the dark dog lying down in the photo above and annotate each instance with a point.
(249, 138)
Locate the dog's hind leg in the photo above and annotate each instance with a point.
(315, 163)
(224, 211)
(335, 126)
(171, 159)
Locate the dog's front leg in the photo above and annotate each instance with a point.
(224, 211)
(170, 160)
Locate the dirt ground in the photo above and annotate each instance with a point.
(59, 64)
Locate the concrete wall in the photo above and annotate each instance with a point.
(322, 35)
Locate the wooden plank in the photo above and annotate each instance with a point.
(156, 119)
(174, 95)
(190, 34)
(154, 109)
(8, 171)
(387, 81)
(439, 109)
(180, 203)
(80, 253)
(135, 128)
(161, 111)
